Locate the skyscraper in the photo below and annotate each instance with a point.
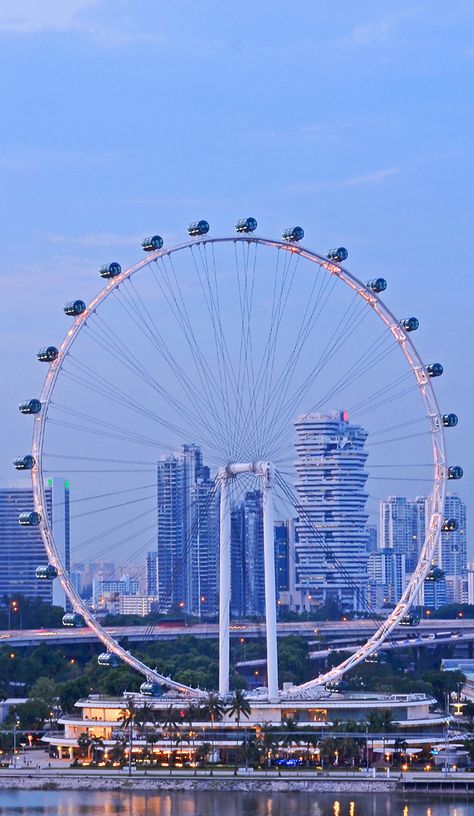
(22, 547)
(453, 556)
(248, 578)
(332, 534)
(402, 528)
(188, 534)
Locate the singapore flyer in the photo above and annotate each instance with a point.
(227, 364)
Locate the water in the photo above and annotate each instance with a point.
(206, 803)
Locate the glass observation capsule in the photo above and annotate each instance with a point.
(339, 254)
(110, 270)
(47, 354)
(377, 285)
(435, 574)
(293, 234)
(455, 472)
(24, 462)
(46, 573)
(449, 525)
(75, 308)
(73, 619)
(410, 324)
(198, 228)
(152, 243)
(449, 420)
(108, 659)
(246, 225)
(151, 689)
(31, 519)
(410, 619)
(32, 406)
(434, 369)
(337, 687)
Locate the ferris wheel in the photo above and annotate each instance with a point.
(224, 346)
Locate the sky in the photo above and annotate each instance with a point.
(120, 119)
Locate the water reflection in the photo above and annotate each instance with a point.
(205, 803)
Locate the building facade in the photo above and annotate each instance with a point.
(332, 534)
(22, 547)
(184, 572)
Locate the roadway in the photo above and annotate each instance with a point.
(343, 633)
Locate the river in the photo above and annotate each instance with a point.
(206, 803)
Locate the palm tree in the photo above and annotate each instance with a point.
(96, 745)
(117, 752)
(289, 736)
(127, 718)
(193, 712)
(267, 741)
(239, 706)
(170, 725)
(214, 709)
(84, 742)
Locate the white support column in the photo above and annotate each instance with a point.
(224, 584)
(270, 592)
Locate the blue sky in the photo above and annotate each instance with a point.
(120, 119)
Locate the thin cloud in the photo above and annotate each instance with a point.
(31, 16)
(377, 177)
(376, 31)
(28, 158)
(100, 239)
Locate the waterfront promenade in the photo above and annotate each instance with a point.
(67, 778)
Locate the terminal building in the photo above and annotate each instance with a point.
(101, 719)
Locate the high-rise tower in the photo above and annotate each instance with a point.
(22, 547)
(332, 534)
(185, 570)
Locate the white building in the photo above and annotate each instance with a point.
(332, 534)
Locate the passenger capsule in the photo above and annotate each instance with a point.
(46, 573)
(32, 519)
(198, 228)
(246, 225)
(455, 472)
(338, 687)
(47, 354)
(152, 243)
(24, 462)
(151, 689)
(410, 324)
(74, 308)
(435, 574)
(449, 525)
(434, 369)
(339, 254)
(32, 406)
(293, 234)
(73, 619)
(449, 420)
(108, 659)
(410, 619)
(110, 270)
(377, 285)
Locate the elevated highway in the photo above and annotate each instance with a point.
(336, 634)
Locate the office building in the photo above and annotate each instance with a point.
(386, 568)
(332, 533)
(247, 577)
(22, 547)
(186, 565)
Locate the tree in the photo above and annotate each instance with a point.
(31, 714)
(84, 742)
(127, 718)
(214, 709)
(239, 706)
(267, 741)
(44, 689)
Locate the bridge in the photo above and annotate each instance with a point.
(342, 635)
